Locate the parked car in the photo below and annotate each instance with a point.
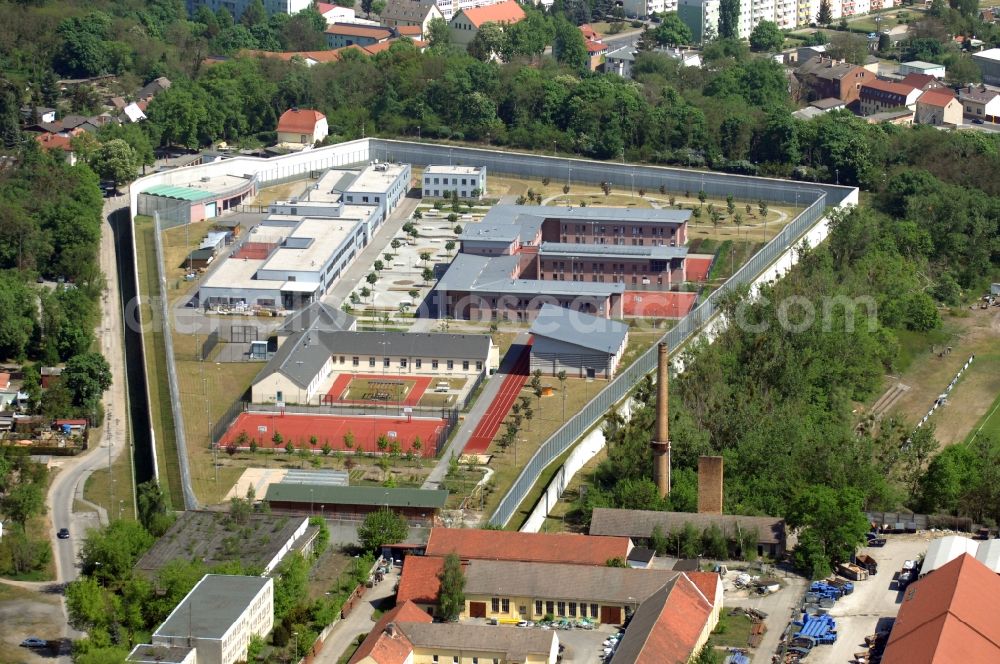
(34, 642)
(63, 533)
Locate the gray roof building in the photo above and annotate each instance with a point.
(356, 495)
(212, 606)
(655, 252)
(145, 653)
(406, 12)
(492, 274)
(517, 644)
(579, 329)
(612, 585)
(318, 317)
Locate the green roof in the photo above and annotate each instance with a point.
(356, 495)
(182, 193)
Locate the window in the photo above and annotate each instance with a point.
(465, 365)
(402, 363)
(371, 361)
(341, 359)
(550, 607)
(385, 362)
(354, 361)
(561, 606)
(572, 609)
(479, 365)
(434, 658)
(451, 364)
(417, 362)
(495, 605)
(538, 607)
(434, 364)
(475, 660)
(505, 605)
(364, 199)
(593, 610)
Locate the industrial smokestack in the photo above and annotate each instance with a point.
(661, 441)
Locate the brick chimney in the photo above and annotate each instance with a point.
(710, 471)
(661, 441)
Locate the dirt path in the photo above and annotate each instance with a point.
(977, 334)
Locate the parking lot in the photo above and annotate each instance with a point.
(580, 646)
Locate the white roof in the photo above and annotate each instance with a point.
(456, 170)
(942, 551)
(325, 235)
(988, 554)
(134, 113)
(377, 180)
(989, 54)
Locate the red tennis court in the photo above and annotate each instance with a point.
(255, 250)
(697, 268)
(330, 429)
(657, 304)
(510, 389)
(338, 391)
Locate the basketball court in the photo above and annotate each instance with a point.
(698, 267)
(657, 304)
(375, 388)
(330, 429)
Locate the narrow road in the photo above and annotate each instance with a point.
(359, 621)
(72, 472)
(491, 391)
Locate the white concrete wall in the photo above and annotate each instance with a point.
(593, 442)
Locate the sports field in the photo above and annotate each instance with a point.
(275, 431)
(658, 304)
(374, 388)
(494, 416)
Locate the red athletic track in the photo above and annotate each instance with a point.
(339, 387)
(697, 268)
(331, 429)
(657, 304)
(487, 428)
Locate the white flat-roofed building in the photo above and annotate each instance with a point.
(920, 67)
(440, 181)
(217, 619)
(989, 64)
(379, 184)
(237, 7)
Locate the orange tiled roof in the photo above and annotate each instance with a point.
(502, 12)
(918, 80)
(54, 142)
(299, 121)
(419, 580)
(888, 86)
(386, 648)
(527, 547)
(677, 627)
(948, 616)
(588, 32)
(937, 97)
(358, 31)
(596, 47)
(410, 30)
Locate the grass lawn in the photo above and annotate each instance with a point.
(98, 489)
(178, 242)
(156, 363)
(989, 425)
(731, 632)
(730, 255)
(38, 530)
(23, 613)
(548, 416)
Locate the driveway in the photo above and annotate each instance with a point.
(359, 621)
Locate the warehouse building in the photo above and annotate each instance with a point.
(582, 345)
(420, 506)
(196, 201)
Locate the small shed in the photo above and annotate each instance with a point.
(994, 289)
(199, 259)
(582, 345)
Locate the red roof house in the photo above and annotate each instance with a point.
(302, 126)
(948, 617)
(386, 645)
(419, 581)
(568, 548)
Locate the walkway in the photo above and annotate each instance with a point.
(477, 414)
(358, 622)
(498, 407)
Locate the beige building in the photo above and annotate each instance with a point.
(306, 364)
(465, 24)
(216, 619)
(938, 107)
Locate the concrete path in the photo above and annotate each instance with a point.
(359, 621)
(490, 392)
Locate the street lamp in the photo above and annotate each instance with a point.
(295, 651)
(418, 132)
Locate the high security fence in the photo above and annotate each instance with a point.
(190, 501)
(618, 388)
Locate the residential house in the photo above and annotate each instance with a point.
(923, 81)
(407, 634)
(988, 62)
(216, 619)
(301, 126)
(596, 48)
(36, 114)
(948, 616)
(980, 102)
(823, 77)
(466, 23)
(620, 61)
(337, 14)
(878, 96)
(938, 107)
(410, 13)
(579, 344)
(440, 180)
(62, 143)
(340, 35)
(640, 524)
(146, 93)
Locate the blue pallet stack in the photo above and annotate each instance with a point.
(822, 629)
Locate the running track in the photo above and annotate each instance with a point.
(511, 388)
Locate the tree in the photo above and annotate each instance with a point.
(832, 526)
(490, 40)
(825, 15)
(254, 14)
(438, 34)
(427, 274)
(154, 511)
(672, 31)
(23, 501)
(87, 376)
(109, 554)
(116, 161)
(850, 47)
(766, 36)
(380, 528)
(729, 19)
(568, 46)
(451, 593)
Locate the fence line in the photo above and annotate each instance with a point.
(190, 500)
(617, 389)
